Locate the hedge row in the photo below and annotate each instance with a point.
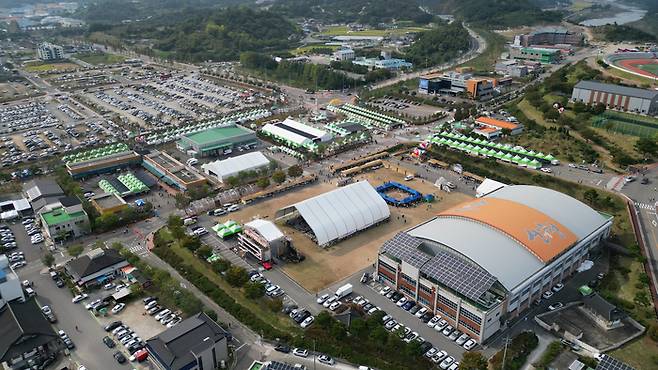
(219, 296)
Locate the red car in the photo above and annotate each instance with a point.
(267, 265)
(140, 355)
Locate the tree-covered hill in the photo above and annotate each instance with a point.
(220, 34)
(370, 12)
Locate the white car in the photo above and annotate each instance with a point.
(321, 299)
(546, 170)
(329, 301)
(307, 322)
(326, 360)
(334, 306)
(462, 339)
(233, 208)
(162, 314)
(433, 321)
(547, 294)
(470, 344)
(384, 290)
(79, 297)
(420, 312)
(432, 351)
(92, 304)
(18, 265)
(447, 362)
(558, 287)
(118, 308)
(200, 231)
(401, 302)
(300, 352)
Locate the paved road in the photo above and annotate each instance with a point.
(478, 46)
(90, 351)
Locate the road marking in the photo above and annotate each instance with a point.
(654, 223)
(237, 349)
(599, 182)
(646, 206)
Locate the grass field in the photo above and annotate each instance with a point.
(651, 68)
(578, 5)
(46, 67)
(629, 76)
(100, 58)
(627, 124)
(309, 48)
(344, 31)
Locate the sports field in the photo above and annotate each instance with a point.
(644, 67)
(628, 124)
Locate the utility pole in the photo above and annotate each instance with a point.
(505, 352)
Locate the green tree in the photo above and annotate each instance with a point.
(295, 171)
(274, 304)
(233, 181)
(48, 259)
(190, 242)
(263, 182)
(204, 251)
(324, 319)
(279, 176)
(182, 200)
(358, 328)
(211, 313)
(379, 336)
(551, 114)
(173, 221)
(221, 265)
(237, 276)
(75, 250)
(591, 196)
(473, 361)
(648, 146)
(254, 290)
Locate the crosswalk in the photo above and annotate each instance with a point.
(139, 250)
(649, 207)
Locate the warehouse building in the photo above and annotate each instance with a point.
(172, 172)
(232, 167)
(486, 260)
(338, 214)
(296, 134)
(511, 68)
(217, 141)
(263, 240)
(549, 36)
(100, 160)
(542, 55)
(628, 99)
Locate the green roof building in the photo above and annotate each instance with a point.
(64, 219)
(217, 141)
(541, 55)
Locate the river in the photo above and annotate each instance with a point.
(627, 14)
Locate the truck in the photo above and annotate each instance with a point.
(344, 291)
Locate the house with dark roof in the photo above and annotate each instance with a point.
(26, 337)
(96, 267)
(42, 192)
(196, 343)
(606, 315)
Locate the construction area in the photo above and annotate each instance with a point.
(325, 266)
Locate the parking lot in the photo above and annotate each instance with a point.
(405, 106)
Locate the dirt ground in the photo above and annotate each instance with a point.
(12, 90)
(324, 267)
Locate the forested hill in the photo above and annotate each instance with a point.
(220, 34)
(496, 13)
(116, 11)
(370, 12)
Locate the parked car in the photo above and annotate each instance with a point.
(307, 322)
(321, 299)
(109, 342)
(79, 297)
(113, 325)
(365, 277)
(555, 306)
(282, 348)
(119, 357)
(558, 287)
(470, 344)
(462, 339)
(326, 360)
(300, 352)
(547, 294)
(117, 308)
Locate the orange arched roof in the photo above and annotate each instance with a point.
(540, 234)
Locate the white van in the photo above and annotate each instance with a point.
(189, 221)
(192, 161)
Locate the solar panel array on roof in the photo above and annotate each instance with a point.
(459, 275)
(275, 365)
(610, 363)
(451, 271)
(405, 247)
